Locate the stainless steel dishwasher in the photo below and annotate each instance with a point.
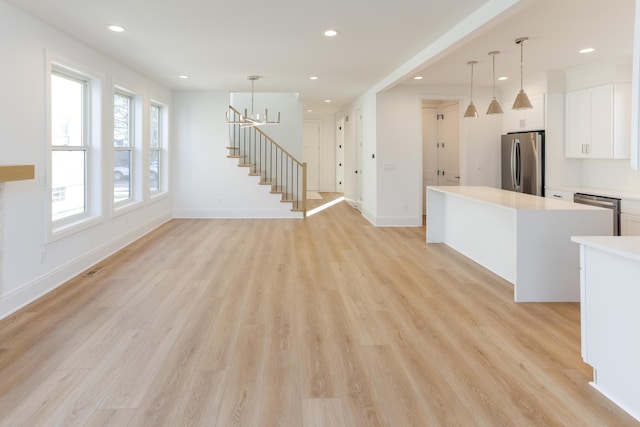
(602, 202)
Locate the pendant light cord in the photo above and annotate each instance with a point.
(521, 41)
(494, 75)
(521, 64)
(253, 82)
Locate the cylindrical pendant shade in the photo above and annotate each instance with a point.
(494, 107)
(471, 111)
(522, 101)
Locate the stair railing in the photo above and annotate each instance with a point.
(267, 159)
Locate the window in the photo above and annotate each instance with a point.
(69, 146)
(122, 146)
(155, 147)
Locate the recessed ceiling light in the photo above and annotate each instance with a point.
(313, 78)
(327, 100)
(418, 78)
(331, 33)
(116, 28)
(587, 50)
(309, 111)
(503, 78)
(183, 77)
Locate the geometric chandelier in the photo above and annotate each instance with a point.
(253, 119)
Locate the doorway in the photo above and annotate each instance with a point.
(340, 156)
(440, 145)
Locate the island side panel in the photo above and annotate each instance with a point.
(482, 231)
(548, 262)
(611, 326)
(435, 215)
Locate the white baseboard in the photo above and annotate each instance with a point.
(398, 221)
(236, 213)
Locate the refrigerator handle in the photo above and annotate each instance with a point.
(513, 164)
(518, 171)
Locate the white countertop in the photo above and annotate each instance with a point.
(511, 199)
(624, 246)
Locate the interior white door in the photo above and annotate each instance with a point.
(429, 151)
(450, 145)
(340, 156)
(311, 153)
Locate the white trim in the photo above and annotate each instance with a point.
(398, 221)
(284, 213)
(94, 205)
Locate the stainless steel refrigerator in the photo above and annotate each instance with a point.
(523, 162)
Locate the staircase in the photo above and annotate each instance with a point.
(276, 168)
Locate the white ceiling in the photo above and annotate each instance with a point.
(218, 44)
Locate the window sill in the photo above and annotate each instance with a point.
(60, 231)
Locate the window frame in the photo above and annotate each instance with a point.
(159, 149)
(83, 147)
(92, 144)
(137, 105)
(130, 147)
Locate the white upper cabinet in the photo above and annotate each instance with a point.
(598, 122)
(525, 120)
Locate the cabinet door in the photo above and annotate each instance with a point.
(558, 194)
(622, 121)
(629, 225)
(577, 123)
(601, 146)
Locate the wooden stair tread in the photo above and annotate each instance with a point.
(282, 190)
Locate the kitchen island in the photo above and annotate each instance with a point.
(523, 238)
(609, 317)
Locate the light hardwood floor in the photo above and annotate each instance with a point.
(327, 321)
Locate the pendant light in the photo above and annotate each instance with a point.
(253, 119)
(494, 106)
(522, 100)
(471, 109)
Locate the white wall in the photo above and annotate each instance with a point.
(399, 147)
(29, 266)
(207, 184)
